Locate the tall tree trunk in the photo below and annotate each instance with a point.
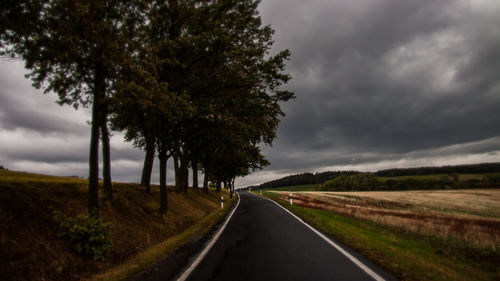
(230, 190)
(218, 187)
(147, 168)
(205, 181)
(99, 90)
(163, 178)
(232, 185)
(195, 175)
(178, 178)
(225, 185)
(106, 157)
(184, 173)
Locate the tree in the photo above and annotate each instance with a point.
(193, 79)
(148, 110)
(194, 164)
(18, 18)
(133, 105)
(74, 48)
(106, 159)
(216, 54)
(146, 105)
(244, 105)
(232, 81)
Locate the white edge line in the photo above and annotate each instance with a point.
(344, 252)
(203, 253)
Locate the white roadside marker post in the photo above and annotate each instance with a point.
(291, 200)
(222, 202)
(260, 192)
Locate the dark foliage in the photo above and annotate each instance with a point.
(305, 178)
(460, 169)
(195, 80)
(86, 234)
(370, 182)
(321, 178)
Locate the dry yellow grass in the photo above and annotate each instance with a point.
(471, 216)
(31, 250)
(482, 202)
(147, 257)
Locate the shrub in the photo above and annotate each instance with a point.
(360, 181)
(454, 177)
(340, 183)
(492, 180)
(87, 235)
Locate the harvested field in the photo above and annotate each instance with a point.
(468, 216)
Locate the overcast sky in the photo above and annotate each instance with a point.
(379, 84)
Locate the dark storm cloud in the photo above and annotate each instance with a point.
(52, 156)
(38, 135)
(379, 84)
(37, 119)
(381, 80)
(61, 149)
(23, 107)
(126, 152)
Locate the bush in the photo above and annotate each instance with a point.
(492, 180)
(360, 181)
(87, 235)
(340, 183)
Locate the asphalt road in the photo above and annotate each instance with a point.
(264, 242)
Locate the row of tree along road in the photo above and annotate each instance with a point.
(192, 80)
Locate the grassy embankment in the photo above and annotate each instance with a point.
(31, 250)
(415, 235)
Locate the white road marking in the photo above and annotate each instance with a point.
(333, 244)
(203, 253)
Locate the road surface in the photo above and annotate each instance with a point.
(262, 241)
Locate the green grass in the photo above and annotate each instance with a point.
(305, 187)
(407, 256)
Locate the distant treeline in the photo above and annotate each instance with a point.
(320, 178)
(368, 181)
(458, 169)
(305, 178)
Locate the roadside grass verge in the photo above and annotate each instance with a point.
(30, 248)
(406, 255)
(148, 257)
